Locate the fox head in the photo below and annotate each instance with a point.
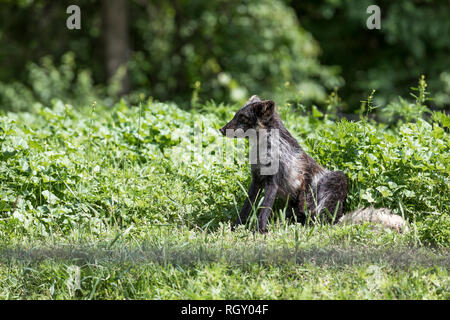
(255, 114)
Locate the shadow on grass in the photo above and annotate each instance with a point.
(191, 254)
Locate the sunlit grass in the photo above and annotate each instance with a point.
(93, 206)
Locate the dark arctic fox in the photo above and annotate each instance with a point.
(309, 188)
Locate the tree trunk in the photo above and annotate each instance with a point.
(116, 41)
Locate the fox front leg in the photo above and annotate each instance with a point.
(245, 212)
(270, 193)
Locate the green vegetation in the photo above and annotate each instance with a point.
(291, 262)
(226, 47)
(413, 39)
(100, 179)
(106, 191)
(227, 50)
(104, 166)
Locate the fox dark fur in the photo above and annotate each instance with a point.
(308, 187)
(299, 178)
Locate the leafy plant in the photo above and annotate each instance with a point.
(64, 168)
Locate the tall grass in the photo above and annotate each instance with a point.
(108, 182)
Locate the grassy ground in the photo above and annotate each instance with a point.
(95, 204)
(165, 262)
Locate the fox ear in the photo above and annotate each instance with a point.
(265, 109)
(253, 99)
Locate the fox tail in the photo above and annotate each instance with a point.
(382, 216)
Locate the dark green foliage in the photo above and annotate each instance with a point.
(224, 50)
(46, 83)
(414, 39)
(233, 48)
(228, 50)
